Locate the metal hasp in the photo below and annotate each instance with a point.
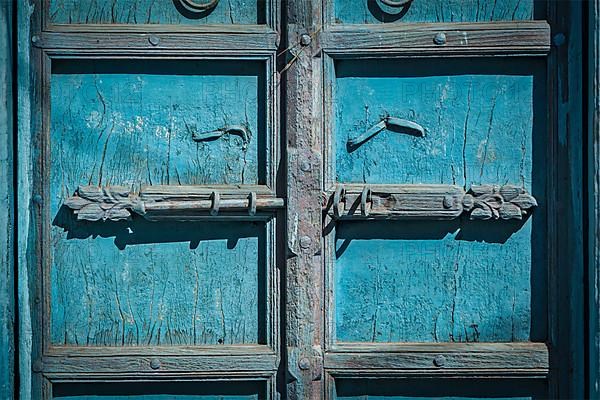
(442, 202)
(237, 130)
(391, 123)
(198, 7)
(180, 203)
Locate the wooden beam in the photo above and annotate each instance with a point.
(439, 39)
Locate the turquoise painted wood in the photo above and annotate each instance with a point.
(139, 283)
(479, 121)
(161, 391)
(153, 12)
(7, 205)
(142, 283)
(123, 123)
(459, 281)
(442, 389)
(374, 11)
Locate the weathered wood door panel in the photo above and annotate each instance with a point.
(176, 12)
(156, 202)
(391, 232)
(368, 12)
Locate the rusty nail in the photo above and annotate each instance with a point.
(37, 366)
(305, 242)
(559, 39)
(154, 40)
(305, 40)
(154, 363)
(304, 364)
(439, 38)
(439, 361)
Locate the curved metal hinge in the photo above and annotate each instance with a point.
(237, 130)
(197, 7)
(397, 3)
(391, 123)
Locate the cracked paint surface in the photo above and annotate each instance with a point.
(441, 281)
(373, 11)
(137, 283)
(128, 125)
(150, 12)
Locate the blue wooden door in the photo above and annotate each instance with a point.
(248, 199)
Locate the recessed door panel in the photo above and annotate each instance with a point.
(464, 278)
(386, 11)
(141, 283)
(157, 122)
(161, 391)
(438, 282)
(472, 132)
(156, 12)
(446, 389)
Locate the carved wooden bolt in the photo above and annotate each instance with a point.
(154, 40)
(439, 361)
(304, 364)
(35, 39)
(37, 199)
(439, 39)
(305, 242)
(154, 363)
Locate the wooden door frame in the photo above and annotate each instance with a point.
(305, 338)
(307, 152)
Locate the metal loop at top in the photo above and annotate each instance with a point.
(252, 203)
(197, 7)
(365, 197)
(216, 203)
(397, 3)
(338, 197)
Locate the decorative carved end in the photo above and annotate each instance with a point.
(484, 202)
(113, 203)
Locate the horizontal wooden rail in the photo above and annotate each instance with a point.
(437, 359)
(438, 39)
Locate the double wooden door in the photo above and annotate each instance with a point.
(306, 199)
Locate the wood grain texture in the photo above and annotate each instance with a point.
(465, 286)
(304, 322)
(566, 200)
(375, 11)
(126, 124)
(474, 39)
(254, 363)
(473, 134)
(257, 40)
(152, 12)
(593, 179)
(460, 359)
(7, 203)
(436, 202)
(28, 123)
(128, 291)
